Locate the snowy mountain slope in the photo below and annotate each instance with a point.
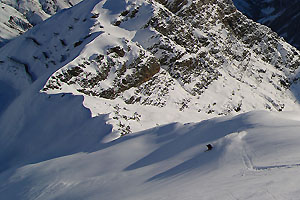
(74, 83)
(11, 27)
(16, 17)
(199, 60)
(39, 10)
(281, 16)
(195, 63)
(48, 127)
(255, 156)
(144, 57)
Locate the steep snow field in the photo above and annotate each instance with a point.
(71, 85)
(82, 51)
(255, 156)
(11, 27)
(16, 17)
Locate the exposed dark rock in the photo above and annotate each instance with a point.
(118, 50)
(281, 16)
(76, 44)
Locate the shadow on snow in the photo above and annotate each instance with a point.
(178, 139)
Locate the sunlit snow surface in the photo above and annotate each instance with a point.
(25, 13)
(255, 156)
(62, 144)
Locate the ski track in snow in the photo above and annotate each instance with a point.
(276, 167)
(248, 161)
(42, 152)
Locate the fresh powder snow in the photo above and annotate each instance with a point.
(112, 99)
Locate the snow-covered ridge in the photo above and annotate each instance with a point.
(114, 95)
(142, 57)
(16, 17)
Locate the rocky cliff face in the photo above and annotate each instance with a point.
(281, 16)
(196, 58)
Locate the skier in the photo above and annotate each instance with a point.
(209, 147)
(11, 19)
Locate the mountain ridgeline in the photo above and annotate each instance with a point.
(281, 16)
(199, 56)
(122, 99)
(16, 17)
